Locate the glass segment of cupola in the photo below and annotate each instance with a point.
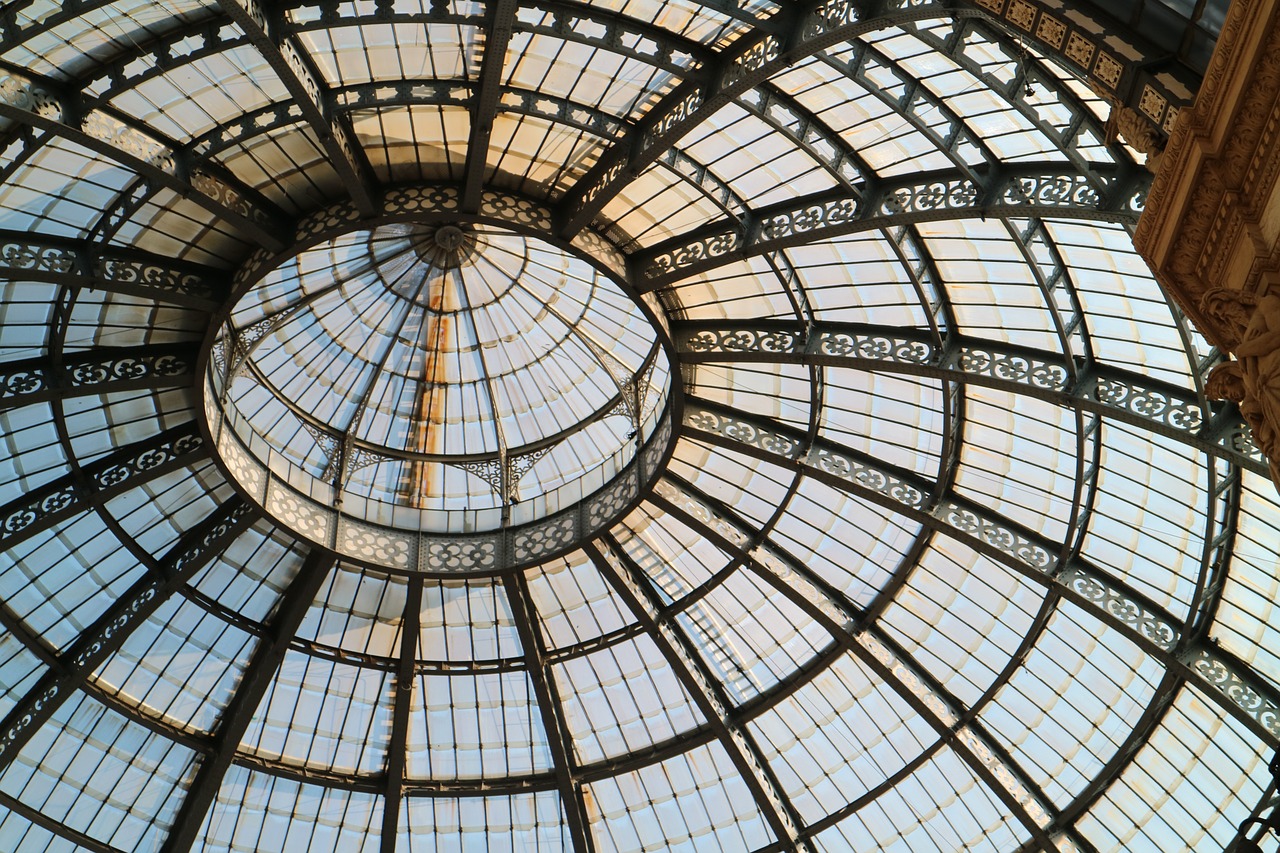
(445, 378)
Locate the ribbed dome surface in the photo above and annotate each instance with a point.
(547, 425)
(425, 355)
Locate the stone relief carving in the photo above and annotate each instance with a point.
(1252, 380)
(1205, 231)
(1127, 124)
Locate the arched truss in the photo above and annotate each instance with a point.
(43, 111)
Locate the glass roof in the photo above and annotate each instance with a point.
(441, 368)
(853, 482)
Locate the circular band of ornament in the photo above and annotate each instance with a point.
(283, 469)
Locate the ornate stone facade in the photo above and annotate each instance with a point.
(1211, 229)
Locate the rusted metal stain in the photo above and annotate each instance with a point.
(425, 478)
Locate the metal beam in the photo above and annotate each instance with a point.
(57, 827)
(808, 132)
(559, 740)
(914, 101)
(853, 633)
(109, 631)
(131, 198)
(705, 689)
(1232, 684)
(1138, 736)
(126, 468)
(460, 93)
(43, 104)
(500, 17)
(1118, 394)
(97, 371)
(296, 69)
(85, 264)
(255, 681)
(393, 792)
(793, 33)
(1051, 190)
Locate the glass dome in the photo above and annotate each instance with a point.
(850, 483)
(443, 378)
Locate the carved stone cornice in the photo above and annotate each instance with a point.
(1211, 228)
(1205, 224)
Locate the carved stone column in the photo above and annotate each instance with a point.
(1211, 229)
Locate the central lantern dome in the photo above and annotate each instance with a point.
(453, 380)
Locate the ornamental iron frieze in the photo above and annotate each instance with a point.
(31, 511)
(232, 198)
(1013, 367)
(86, 370)
(1105, 596)
(74, 492)
(212, 539)
(25, 94)
(1154, 404)
(1053, 192)
(117, 473)
(156, 276)
(995, 534)
(678, 113)
(32, 255)
(1110, 391)
(480, 553)
(1237, 686)
(131, 140)
(106, 369)
(19, 731)
(744, 432)
(102, 268)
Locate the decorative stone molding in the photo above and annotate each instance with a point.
(1129, 125)
(1211, 228)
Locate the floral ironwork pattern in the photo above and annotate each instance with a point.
(1107, 597)
(1221, 675)
(107, 476)
(1051, 193)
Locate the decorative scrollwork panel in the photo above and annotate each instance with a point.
(1100, 592)
(116, 472)
(1155, 404)
(1051, 192)
(1223, 677)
